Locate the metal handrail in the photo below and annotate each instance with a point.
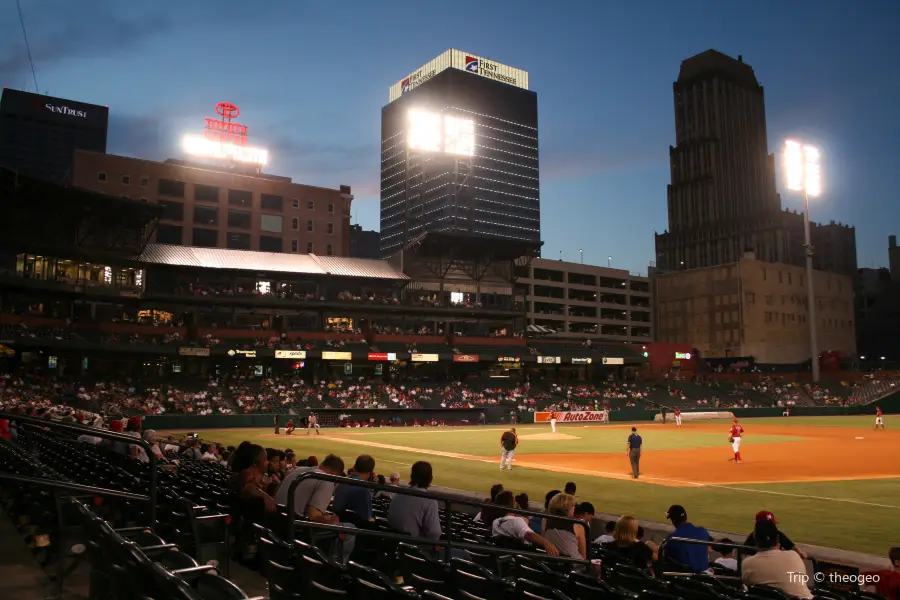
(73, 487)
(103, 434)
(740, 548)
(420, 493)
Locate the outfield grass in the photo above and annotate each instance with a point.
(861, 515)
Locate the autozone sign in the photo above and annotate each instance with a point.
(574, 416)
(466, 358)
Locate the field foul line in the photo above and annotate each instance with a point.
(612, 475)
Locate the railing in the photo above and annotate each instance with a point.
(103, 434)
(447, 541)
(739, 548)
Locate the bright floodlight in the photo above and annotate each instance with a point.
(804, 173)
(459, 136)
(424, 131)
(201, 146)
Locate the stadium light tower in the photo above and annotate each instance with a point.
(804, 175)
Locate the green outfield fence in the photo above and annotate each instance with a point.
(890, 404)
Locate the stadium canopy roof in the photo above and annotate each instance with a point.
(268, 262)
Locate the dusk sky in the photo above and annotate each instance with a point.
(311, 78)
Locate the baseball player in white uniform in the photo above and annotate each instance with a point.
(553, 422)
(312, 422)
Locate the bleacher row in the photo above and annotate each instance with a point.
(183, 548)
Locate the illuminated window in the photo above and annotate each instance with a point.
(457, 297)
(263, 287)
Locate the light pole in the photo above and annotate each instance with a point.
(609, 262)
(804, 175)
(581, 254)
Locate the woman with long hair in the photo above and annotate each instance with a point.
(248, 467)
(625, 543)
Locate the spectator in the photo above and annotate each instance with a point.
(496, 489)
(415, 516)
(585, 512)
(570, 488)
(250, 462)
(566, 536)
(693, 556)
(888, 584)
(547, 500)
(514, 528)
(193, 449)
(625, 543)
(394, 480)
(209, 455)
(650, 544)
(150, 438)
(772, 566)
(608, 536)
(727, 560)
(784, 542)
(355, 499)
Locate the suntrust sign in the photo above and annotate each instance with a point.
(463, 61)
(67, 111)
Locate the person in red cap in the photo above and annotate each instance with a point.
(734, 437)
(784, 542)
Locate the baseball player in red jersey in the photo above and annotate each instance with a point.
(879, 418)
(677, 414)
(735, 434)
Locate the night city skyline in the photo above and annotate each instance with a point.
(311, 81)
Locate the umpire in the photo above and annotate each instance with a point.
(634, 452)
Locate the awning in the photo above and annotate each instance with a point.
(540, 330)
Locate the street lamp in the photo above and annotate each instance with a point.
(804, 175)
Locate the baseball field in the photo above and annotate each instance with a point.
(831, 481)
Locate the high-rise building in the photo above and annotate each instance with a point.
(39, 134)
(459, 153)
(722, 201)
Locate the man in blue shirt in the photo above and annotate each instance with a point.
(693, 556)
(353, 497)
(634, 452)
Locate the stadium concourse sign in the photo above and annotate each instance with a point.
(291, 354)
(549, 360)
(188, 351)
(463, 61)
(424, 357)
(382, 356)
(573, 416)
(466, 358)
(326, 355)
(582, 361)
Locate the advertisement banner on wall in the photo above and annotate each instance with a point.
(574, 416)
(327, 355)
(243, 353)
(466, 358)
(295, 354)
(382, 356)
(424, 358)
(549, 360)
(193, 351)
(613, 361)
(582, 361)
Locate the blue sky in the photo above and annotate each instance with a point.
(311, 78)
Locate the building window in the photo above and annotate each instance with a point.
(330, 207)
(295, 246)
(295, 203)
(309, 226)
(237, 241)
(330, 228)
(310, 205)
(170, 187)
(206, 215)
(145, 181)
(168, 234)
(271, 223)
(269, 243)
(206, 193)
(271, 202)
(172, 211)
(126, 179)
(295, 224)
(239, 219)
(240, 198)
(206, 238)
(101, 177)
(309, 247)
(328, 249)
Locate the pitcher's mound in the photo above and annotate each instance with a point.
(548, 436)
